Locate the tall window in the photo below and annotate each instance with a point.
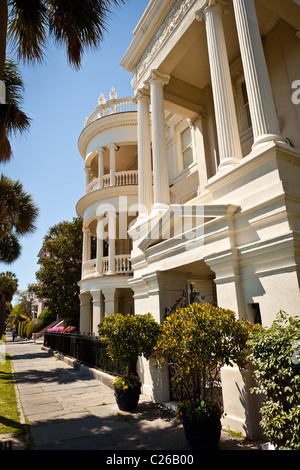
(186, 147)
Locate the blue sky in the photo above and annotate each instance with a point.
(58, 99)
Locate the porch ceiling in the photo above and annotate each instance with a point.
(188, 60)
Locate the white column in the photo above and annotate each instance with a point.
(226, 121)
(111, 242)
(100, 167)
(87, 176)
(112, 163)
(261, 102)
(111, 301)
(100, 237)
(86, 247)
(96, 296)
(159, 146)
(85, 312)
(144, 154)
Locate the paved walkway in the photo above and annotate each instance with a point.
(68, 409)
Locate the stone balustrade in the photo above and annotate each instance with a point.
(122, 178)
(112, 106)
(122, 265)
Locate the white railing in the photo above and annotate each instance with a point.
(122, 178)
(92, 185)
(89, 268)
(113, 106)
(122, 265)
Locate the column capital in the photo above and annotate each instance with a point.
(100, 150)
(113, 146)
(85, 230)
(222, 5)
(84, 297)
(95, 293)
(142, 94)
(156, 76)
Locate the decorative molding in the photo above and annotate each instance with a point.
(167, 27)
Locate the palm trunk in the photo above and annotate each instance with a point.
(3, 33)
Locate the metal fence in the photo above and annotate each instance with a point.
(89, 350)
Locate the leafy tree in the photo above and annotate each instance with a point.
(8, 287)
(61, 270)
(18, 214)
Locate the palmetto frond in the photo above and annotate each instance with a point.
(18, 213)
(12, 118)
(75, 24)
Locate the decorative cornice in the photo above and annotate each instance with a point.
(170, 23)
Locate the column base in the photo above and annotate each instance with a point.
(229, 164)
(158, 208)
(267, 138)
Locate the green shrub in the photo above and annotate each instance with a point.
(128, 337)
(22, 328)
(200, 339)
(33, 327)
(47, 317)
(273, 352)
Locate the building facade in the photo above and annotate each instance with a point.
(214, 141)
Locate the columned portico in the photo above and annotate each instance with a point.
(144, 153)
(226, 121)
(156, 81)
(261, 102)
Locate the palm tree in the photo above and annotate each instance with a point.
(12, 118)
(18, 214)
(8, 287)
(74, 24)
(26, 26)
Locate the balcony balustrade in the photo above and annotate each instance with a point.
(112, 106)
(122, 178)
(122, 265)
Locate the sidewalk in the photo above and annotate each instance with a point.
(68, 409)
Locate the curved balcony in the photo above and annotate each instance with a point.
(122, 265)
(122, 178)
(112, 106)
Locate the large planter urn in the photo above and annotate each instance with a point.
(127, 400)
(204, 434)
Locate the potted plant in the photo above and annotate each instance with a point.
(199, 340)
(127, 338)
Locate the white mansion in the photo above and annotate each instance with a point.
(195, 180)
